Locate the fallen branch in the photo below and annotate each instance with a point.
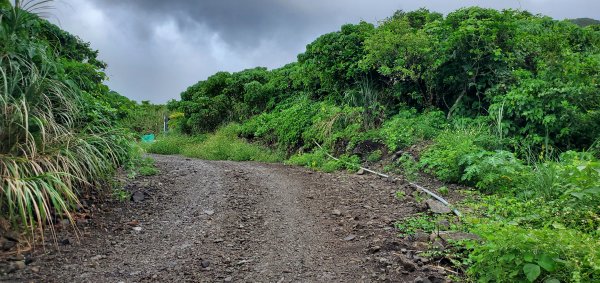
(438, 198)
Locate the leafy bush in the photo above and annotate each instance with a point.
(444, 158)
(493, 171)
(515, 254)
(374, 156)
(407, 128)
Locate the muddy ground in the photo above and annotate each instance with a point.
(214, 221)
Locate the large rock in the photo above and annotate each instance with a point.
(437, 207)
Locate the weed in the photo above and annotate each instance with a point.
(121, 195)
(419, 222)
(443, 191)
(374, 156)
(400, 195)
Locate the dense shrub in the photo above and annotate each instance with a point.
(444, 158)
(515, 254)
(407, 128)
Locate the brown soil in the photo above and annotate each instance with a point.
(208, 221)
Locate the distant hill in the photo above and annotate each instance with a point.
(584, 22)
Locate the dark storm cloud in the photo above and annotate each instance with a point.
(156, 48)
(241, 24)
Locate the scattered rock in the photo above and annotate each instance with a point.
(336, 212)
(209, 212)
(422, 280)
(455, 236)
(437, 207)
(350, 237)
(219, 240)
(420, 237)
(407, 264)
(7, 244)
(97, 257)
(35, 269)
(138, 196)
(137, 229)
(443, 224)
(360, 171)
(228, 279)
(11, 235)
(205, 263)
(65, 242)
(16, 258)
(16, 265)
(374, 249)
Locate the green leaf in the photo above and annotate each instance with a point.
(528, 257)
(547, 263)
(552, 280)
(532, 271)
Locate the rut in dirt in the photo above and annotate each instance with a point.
(212, 221)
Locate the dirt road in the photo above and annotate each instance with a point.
(206, 221)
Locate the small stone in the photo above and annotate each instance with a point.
(7, 244)
(443, 224)
(137, 229)
(422, 280)
(336, 212)
(437, 207)
(97, 257)
(209, 212)
(457, 236)
(35, 269)
(65, 242)
(350, 237)
(65, 222)
(360, 171)
(138, 196)
(407, 264)
(17, 265)
(12, 235)
(205, 263)
(219, 240)
(375, 249)
(16, 258)
(228, 279)
(420, 237)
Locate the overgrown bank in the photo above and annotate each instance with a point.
(62, 131)
(506, 102)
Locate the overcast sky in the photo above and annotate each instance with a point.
(155, 49)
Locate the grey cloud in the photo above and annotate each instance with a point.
(156, 48)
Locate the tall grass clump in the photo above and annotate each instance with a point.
(46, 153)
(225, 144)
(170, 144)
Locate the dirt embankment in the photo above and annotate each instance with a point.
(205, 221)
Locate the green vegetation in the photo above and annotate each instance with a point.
(57, 134)
(503, 101)
(224, 144)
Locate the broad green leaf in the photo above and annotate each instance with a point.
(547, 263)
(532, 271)
(552, 280)
(528, 257)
